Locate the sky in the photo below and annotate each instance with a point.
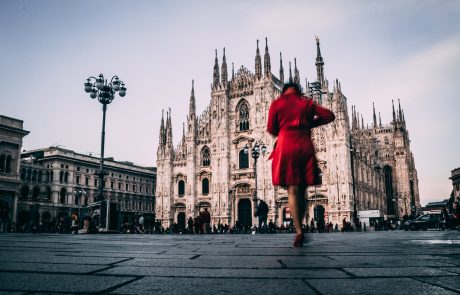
(379, 51)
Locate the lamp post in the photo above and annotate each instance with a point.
(105, 93)
(259, 147)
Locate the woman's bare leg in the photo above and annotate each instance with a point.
(296, 202)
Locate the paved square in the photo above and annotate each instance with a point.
(336, 263)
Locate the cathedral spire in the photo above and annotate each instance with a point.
(362, 122)
(258, 63)
(192, 107)
(224, 71)
(399, 111)
(394, 113)
(296, 73)
(352, 117)
(319, 63)
(380, 121)
(375, 117)
(183, 132)
(215, 80)
(162, 129)
(233, 71)
(290, 73)
(281, 69)
(267, 64)
(168, 129)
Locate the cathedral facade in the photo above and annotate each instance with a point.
(362, 167)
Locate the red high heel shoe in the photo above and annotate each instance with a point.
(299, 239)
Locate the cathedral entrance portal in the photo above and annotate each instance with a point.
(181, 220)
(245, 212)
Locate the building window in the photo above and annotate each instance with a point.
(320, 177)
(35, 193)
(244, 160)
(95, 182)
(78, 168)
(134, 188)
(243, 116)
(147, 190)
(2, 163)
(119, 185)
(61, 176)
(127, 187)
(48, 193)
(66, 177)
(111, 184)
(62, 195)
(78, 180)
(40, 176)
(140, 189)
(25, 191)
(86, 181)
(87, 170)
(181, 188)
(205, 186)
(205, 157)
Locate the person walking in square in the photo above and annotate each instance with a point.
(262, 213)
(291, 118)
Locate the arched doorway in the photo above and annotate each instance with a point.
(390, 199)
(245, 212)
(181, 220)
(22, 220)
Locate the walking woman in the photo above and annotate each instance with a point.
(291, 118)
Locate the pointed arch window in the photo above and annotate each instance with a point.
(243, 160)
(243, 116)
(181, 188)
(205, 157)
(205, 186)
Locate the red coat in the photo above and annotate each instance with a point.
(291, 118)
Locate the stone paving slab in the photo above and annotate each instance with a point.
(200, 286)
(446, 282)
(82, 259)
(51, 267)
(225, 272)
(59, 282)
(398, 272)
(204, 263)
(336, 263)
(400, 286)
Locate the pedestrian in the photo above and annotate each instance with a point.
(190, 224)
(262, 214)
(291, 118)
(206, 220)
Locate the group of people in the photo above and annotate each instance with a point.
(201, 223)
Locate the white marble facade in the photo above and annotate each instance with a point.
(208, 167)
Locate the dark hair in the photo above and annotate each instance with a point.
(293, 85)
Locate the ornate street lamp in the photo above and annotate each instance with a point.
(105, 93)
(259, 147)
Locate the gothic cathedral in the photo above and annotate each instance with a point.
(362, 167)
